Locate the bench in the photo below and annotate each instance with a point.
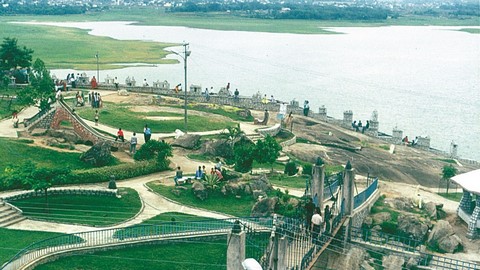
(185, 179)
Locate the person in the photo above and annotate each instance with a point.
(327, 213)
(236, 95)
(360, 125)
(204, 170)
(264, 99)
(354, 125)
(133, 144)
(73, 82)
(415, 141)
(219, 174)
(282, 112)
(96, 117)
(405, 140)
(289, 121)
(178, 175)
(120, 135)
(147, 133)
(306, 108)
(272, 99)
(15, 119)
(228, 86)
(199, 173)
(367, 125)
(212, 171)
(115, 81)
(317, 222)
(218, 165)
(207, 95)
(93, 83)
(145, 84)
(309, 209)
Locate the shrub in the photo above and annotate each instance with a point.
(160, 151)
(290, 168)
(243, 152)
(307, 169)
(211, 181)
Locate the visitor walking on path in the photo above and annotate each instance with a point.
(309, 209)
(96, 117)
(317, 222)
(120, 135)
(147, 133)
(93, 83)
(306, 108)
(133, 144)
(178, 175)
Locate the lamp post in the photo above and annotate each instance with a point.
(186, 54)
(98, 76)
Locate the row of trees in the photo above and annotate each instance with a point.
(14, 8)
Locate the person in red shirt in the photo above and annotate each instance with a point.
(120, 135)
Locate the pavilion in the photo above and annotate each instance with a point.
(469, 208)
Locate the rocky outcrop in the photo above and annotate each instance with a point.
(221, 148)
(354, 259)
(264, 207)
(199, 190)
(412, 226)
(98, 155)
(187, 141)
(392, 262)
(443, 238)
(66, 134)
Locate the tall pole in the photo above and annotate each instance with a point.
(98, 74)
(186, 54)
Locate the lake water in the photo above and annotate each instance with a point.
(424, 80)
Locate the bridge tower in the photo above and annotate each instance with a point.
(318, 181)
(236, 247)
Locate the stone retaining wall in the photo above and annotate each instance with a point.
(62, 191)
(360, 213)
(272, 131)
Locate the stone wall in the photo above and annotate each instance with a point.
(272, 131)
(62, 191)
(361, 212)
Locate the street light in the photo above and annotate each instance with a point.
(98, 76)
(185, 55)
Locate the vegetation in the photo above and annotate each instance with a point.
(448, 171)
(121, 116)
(12, 56)
(452, 196)
(290, 168)
(243, 155)
(173, 216)
(15, 240)
(177, 255)
(267, 151)
(82, 209)
(155, 150)
(287, 181)
(471, 30)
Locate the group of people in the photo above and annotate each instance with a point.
(95, 99)
(147, 134)
(410, 143)
(360, 127)
(266, 100)
(79, 99)
(316, 224)
(201, 172)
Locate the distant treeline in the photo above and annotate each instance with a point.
(40, 9)
(289, 11)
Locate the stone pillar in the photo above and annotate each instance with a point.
(453, 150)
(423, 142)
(294, 103)
(318, 183)
(348, 190)
(322, 113)
(474, 218)
(235, 250)
(397, 135)
(465, 202)
(282, 249)
(373, 127)
(347, 119)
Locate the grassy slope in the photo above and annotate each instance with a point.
(87, 210)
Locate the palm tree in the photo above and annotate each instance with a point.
(233, 134)
(448, 172)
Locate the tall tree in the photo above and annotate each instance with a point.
(41, 89)
(12, 56)
(267, 150)
(448, 172)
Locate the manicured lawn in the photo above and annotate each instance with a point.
(178, 255)
(78, 209)
(452, 196)
(14, 151)
(216, 201)
(173, 216)
(121, 116)
(12, 241)
(283, 180)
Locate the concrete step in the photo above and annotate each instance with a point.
(283, 159)
(6, 212)
(11, 219)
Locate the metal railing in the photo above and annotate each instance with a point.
(363, 196)
(128, 235)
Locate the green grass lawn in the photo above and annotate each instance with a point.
(86, 210)
(12, 241)
(173, 216)
(216, 201)
(178, 255)
(284, 180)
(14, 151)
(452, 196)
(227, 111)
(121, 116)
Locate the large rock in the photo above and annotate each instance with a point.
(220, 148)
(412, 226)
(187, 141)
(354, 258)
(401, 203)
(66, 134)
(98, 155)
(381, 217)
(245, 113)
(443, 238)
(431, 209)
(199, 190)
(260, 183)
(392, 262)
(265, 207)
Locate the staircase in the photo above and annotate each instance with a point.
(254, 137)
(9, 215)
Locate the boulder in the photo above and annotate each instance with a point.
(381, 217)
(234, 188)
(221, 148)
(187, 141)
(259, 193)
(401, 203)
(199, 190)
(431, 209)
(443, 238)
(245, 113)
(392, 262)
(412, 226)
(260, 183)
(412, 263)
(98, 155)
(264, 207)
(122, 92)
(354, 258)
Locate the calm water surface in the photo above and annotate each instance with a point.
(424, 80)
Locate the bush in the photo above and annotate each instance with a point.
(307, 169)
(155, 150)
(290, 168)
(243, 152)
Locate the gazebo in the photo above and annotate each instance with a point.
(469, 208)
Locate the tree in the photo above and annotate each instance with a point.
(232, 134)
(267, 150)
(40, 91)
(12, 56)
(160, 151)
(448, 172)
(243, 155)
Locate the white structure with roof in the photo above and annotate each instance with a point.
(469, 208)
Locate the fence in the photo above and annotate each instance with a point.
(361, 197)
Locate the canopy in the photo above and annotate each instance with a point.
(469, 181)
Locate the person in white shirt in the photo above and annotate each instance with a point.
(317, 224)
